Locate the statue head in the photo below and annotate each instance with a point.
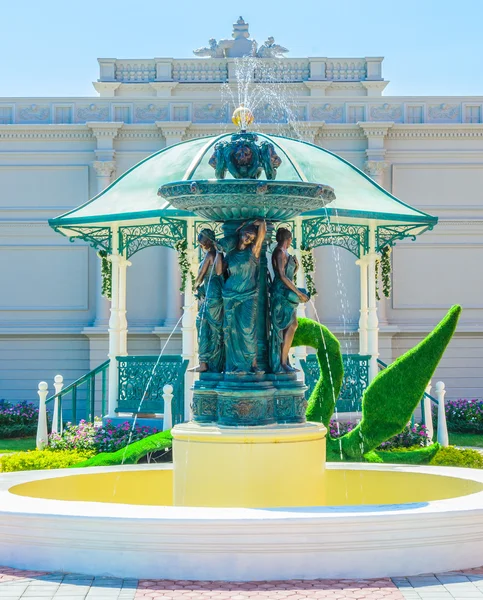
(270, 41)
(283, 236)
(206, 239)
(248, 233)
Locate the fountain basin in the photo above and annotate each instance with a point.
(378, 520)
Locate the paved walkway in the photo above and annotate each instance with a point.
(35, 585)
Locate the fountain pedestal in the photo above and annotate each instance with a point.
(249, 467)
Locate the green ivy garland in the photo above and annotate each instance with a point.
(106, 273)
(181, 247)
(308, 265)
(385, 261)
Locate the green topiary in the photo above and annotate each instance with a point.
(42, 459)
(322, 401)
(407, 456)
(457, 457)
(390, 400)
(132, 453)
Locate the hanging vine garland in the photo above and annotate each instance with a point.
(308, 265)
(385, 261)
(181, 248)
(106, 273)
(386, 270)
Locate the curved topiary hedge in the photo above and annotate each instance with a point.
(322, 401)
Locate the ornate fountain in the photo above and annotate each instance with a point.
(247, 316)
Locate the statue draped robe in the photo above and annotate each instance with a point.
(283, 310)
(240, 299)
(209, 323)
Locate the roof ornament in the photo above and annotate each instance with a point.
(241, 45)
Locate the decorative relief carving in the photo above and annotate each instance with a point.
(92, 112)
(446, 112)
(34, 112)
(329, 113)
(104, 168)
(386, 112)
(375, 168)
(209, 113)
(150, 113)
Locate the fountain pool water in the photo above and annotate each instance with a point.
(376, 520)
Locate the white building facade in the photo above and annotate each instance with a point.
(56, 153)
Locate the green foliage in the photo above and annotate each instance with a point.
(106, 274)
(18, 430)
(322, 401)
(132, 453)
(17, 444)
(408, 456)
(392, 397)
(41, 459)
(457, 457)
(474, 440)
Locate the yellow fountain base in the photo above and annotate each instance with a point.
(276, 465)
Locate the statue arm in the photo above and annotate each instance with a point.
(205, 265)
(262, 230)
(279, 268)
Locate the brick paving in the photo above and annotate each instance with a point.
(36, 585)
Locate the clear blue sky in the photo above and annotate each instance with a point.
(431, 47)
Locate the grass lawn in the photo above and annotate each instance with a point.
(17, 444)
(458, 439)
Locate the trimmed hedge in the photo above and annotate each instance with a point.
(392, 397)
(131, 454)
(322, 401)
(457, 457)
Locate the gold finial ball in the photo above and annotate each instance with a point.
(242, 117)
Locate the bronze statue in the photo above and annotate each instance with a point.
(209, 321)
(284, 299)
(240, 298)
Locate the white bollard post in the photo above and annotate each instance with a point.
(42, 433)
(58, 385)
(442, 427)
(168, 398)
(428, 413)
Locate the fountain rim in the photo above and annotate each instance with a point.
(14, 505)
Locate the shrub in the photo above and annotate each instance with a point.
(18, 420)
(409, 437)
(98, 437)
(42, 459)
(457, 457)
(463, 416)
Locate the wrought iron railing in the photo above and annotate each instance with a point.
(356, 379)
(141, 382)
(84, 390)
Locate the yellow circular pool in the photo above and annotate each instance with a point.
(344, 487)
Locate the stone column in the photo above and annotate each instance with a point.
(104, 170)
(114, 332)
(363, 318)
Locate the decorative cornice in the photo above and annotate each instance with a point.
(105, 130)
(457, 130)
(47, 132)
(173, 128)
(375, 129)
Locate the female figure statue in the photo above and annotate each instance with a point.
(209, 321)
(240, 298)
(284, 299)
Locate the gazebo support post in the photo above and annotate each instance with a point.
(188, 330)
(300, 352)
(363, 316)
(123, 265)
(114, 329)
(372, 320)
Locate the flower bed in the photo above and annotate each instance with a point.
(409, 437)
(18, 420)
(463, 416)
(98, 437)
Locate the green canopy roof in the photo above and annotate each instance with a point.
(133, 196)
